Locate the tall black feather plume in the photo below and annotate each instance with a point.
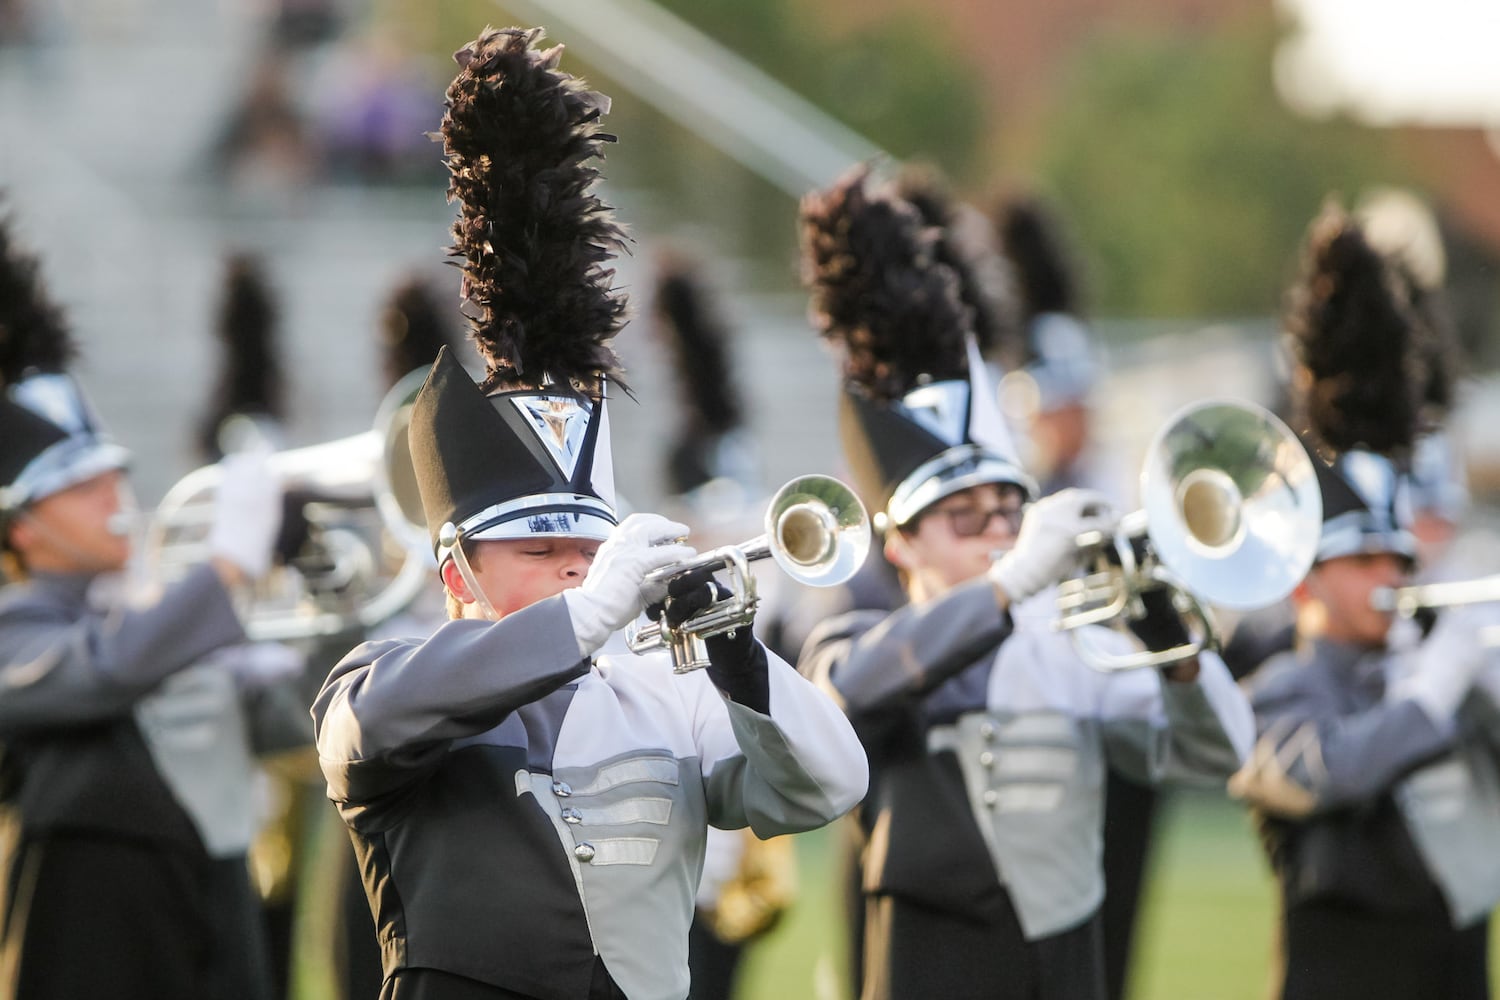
(250, 375)
(1352, 328)
(34, 335)
(519, 136)
(879, 290)
(1045, 273)
(413, 328)
(698, 340)
(966, 244)
(1438, 349)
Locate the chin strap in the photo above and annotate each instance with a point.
(461, 560)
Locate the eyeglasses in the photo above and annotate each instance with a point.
(968, 522)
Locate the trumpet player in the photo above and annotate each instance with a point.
(528, 800)
(987, 735)
(1376, 775)
(126, 789)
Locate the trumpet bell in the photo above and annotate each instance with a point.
(817, 531)
(1232, 503)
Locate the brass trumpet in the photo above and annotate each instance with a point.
(817, 531)
(1231, 516)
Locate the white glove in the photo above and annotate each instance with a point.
(1448, 661)
(1046, 548)
(247, 512)
(611, 597)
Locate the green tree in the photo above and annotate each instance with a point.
(1187, 182)
(895, 81)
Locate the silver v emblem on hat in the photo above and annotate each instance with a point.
(939, 408)
(561, 423)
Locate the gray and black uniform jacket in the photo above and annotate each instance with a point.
(1370, 802)
(71, 681)
(114, 734)
(988, 741)
(519, 810)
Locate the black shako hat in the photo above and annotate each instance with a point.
(527, 452)
(917, 416)
(50, 438)
(511, 464)
(1359, 349)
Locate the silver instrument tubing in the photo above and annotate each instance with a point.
(817, 532)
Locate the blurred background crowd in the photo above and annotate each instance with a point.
(1185, 144)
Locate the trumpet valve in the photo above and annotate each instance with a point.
(689, 652)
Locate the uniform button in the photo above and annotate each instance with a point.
(571, 815)
(584, 852)
(562, 789)
(987, 730)
(987, 759)
(991, 797)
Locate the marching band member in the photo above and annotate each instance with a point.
(988, 737)
(529, 800)
(127, 753)
(1377, 771)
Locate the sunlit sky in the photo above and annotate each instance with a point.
(1431, 62)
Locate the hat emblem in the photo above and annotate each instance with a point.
(561, 423)
(940, 408)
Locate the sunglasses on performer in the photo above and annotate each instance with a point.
(967, 522)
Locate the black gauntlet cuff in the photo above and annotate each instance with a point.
(738, 667)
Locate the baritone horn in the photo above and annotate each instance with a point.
(816, 530)
(1231, 517)
(366, 556)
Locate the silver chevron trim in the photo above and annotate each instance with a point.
(659, 769)
(624, 851)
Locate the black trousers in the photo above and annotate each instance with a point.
(1129, 826)
(95, 916)
(913, 952)
(1335, 951)
(712, 963)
